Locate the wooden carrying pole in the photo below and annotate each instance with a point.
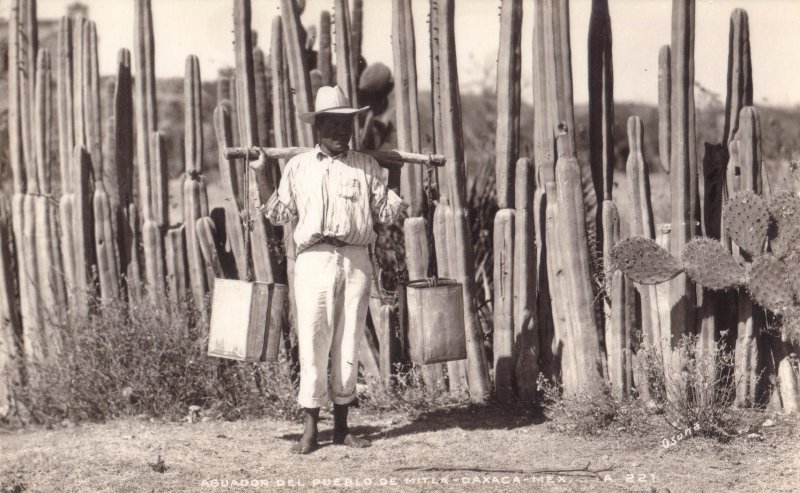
(383, 157)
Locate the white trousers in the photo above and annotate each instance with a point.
(332, 295)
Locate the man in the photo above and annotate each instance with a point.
(330, 194)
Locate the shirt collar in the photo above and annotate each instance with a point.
(321, 154)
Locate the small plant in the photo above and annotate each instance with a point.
(591, 414)
(701, 396)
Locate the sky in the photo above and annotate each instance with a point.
(205, 28)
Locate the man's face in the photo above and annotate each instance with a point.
(334, 132)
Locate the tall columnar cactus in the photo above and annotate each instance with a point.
(146, 109)
(10, 322)
(152, 233)
(324, 64)
(357, 34)
(28, 46)
(346, 71)
(664, 107)
(526, 333)
(264, 265)
(503, 303)
(683, 166)
(544, 159)
(569, 195)
(642, 223)
(280, 106)
(128, 239)
(91, 98)
(405, 83)
(231, 201)
(616, 336)
(50, 280)
(176, 263)
(563, 339)
(454, 150)
(509, 68)
(298, 68)
(740, 73)
(16, 158)
(195, 200)
(601, 102)
(82, 227)
(206, 233)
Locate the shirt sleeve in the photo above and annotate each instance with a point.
(281, 207)
(385, 203)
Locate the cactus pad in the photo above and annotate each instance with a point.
(746, 220)
(784, 227)
(643, 261)
(793, 272)
(768, 283)
(711, 266)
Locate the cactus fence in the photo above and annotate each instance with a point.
(102, 230)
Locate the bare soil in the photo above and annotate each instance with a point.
(464, 449)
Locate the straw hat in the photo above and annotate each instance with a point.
(331, 101)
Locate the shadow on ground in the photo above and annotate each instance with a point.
(492, 416)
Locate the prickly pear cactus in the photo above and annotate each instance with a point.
(784, 225)
(793, 272)
(768, 283)
(710, 265)
(746, 220)
(643, 261)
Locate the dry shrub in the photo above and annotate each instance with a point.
(701, 393)
(593, 413)
(144, 358)
(409, 394)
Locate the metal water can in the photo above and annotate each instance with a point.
(276, 321)
(435, 321)
(241, 325)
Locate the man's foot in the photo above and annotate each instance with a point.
(350, 440)
(341, 432)
(304, 446)
(308, 442)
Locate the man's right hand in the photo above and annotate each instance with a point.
(260, 163)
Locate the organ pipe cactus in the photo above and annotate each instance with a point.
(10, 322)
(152, 236)
(146, 109)
(642, 223)
(601, 101)
(127, 215)
(324, 52)
(177, 276)
(263, 264)
(231, 202)
(477, 370)
(526, 333)
(83, 226)
(298, 68)
(503, 303)
(664, 107)
(740, 73)
(509, 67)
(346, 64)
(405, 83)
(195, 200)
(683, 166)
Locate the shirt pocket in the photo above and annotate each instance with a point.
(350, 189)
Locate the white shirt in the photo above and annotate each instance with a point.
(336, 196)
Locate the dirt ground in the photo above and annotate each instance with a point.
(464, 449)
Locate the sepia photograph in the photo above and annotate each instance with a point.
(399, 245)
